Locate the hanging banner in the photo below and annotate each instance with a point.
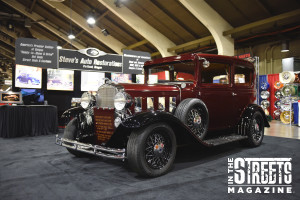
(90, 59)
(133, 61)
(36, 53)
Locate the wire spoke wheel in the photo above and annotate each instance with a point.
(257, 129)
(196, 121)
(158, 150)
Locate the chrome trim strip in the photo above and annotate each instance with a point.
(97, 150)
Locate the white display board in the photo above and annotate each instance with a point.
(91, 81)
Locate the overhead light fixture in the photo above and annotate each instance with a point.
(105, 32)
(118, 3)
(91, 20)
(59, 47)
(71, 36)
(285, 46)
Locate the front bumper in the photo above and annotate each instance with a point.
(96, 150)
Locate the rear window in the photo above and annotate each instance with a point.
(243, 75)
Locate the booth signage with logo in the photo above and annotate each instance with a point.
(36, 53)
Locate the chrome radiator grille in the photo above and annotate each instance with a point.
(105, 96)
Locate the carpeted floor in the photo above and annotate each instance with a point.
(36, 168)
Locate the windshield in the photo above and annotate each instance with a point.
(172, 72)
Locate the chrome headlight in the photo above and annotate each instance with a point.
(86, 99)
(122, 100)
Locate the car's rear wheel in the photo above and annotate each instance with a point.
(255, 132)
(151, 150)
(71, 133)
(194, 114)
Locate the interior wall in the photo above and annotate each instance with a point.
(270, 55)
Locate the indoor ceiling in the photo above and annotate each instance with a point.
(253, 22)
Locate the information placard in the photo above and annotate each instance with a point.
(36, 53)
(133, 61)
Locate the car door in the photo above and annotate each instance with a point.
(243, 88)
(216, 92)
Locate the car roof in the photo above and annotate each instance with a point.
(193, 56)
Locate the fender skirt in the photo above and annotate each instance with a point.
(145, 119)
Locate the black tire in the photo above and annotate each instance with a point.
(255, 132)
(151, 150)
(70, 133)
(194, 114)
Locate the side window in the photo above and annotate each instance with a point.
(243, 75)
(216, 73)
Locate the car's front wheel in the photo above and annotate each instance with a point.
(151, 150)
(71, 133)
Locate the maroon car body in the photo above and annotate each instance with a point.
(195, 96)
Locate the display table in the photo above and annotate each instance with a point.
(16, 121)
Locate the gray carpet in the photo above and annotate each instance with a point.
(36, 168)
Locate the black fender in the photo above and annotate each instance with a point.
(144, 119)
(72, 112)
(246, 117)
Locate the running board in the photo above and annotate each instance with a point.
(224, 139)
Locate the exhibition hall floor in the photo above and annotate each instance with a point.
(36, 168)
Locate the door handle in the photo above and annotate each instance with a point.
(234, 94)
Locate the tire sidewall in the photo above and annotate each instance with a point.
(257, 116)
(141, 145)
(192, 104)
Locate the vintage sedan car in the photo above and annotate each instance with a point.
(27, 79)
(195, 96)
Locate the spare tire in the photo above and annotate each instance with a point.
(194, 114)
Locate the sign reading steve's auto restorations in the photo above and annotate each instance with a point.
(36, 53)
(133, 61)
(89, 59)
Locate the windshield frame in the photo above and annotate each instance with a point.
(148, 68)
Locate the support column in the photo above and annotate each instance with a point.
(161, 42)
(214, 23)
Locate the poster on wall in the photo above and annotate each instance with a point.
(60, 79)
(89, 59)
(36, 53)
(133, 61)
(91, 81)
(121, 78)
(140, 78)
(28, 77)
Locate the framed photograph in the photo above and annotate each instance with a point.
(58, 79)
(28, 77)
(11, 97)
(91, 81)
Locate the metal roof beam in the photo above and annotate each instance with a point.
(213, 22)
(263, 22)
(161, 42)
(95, 31)
(7, 50)
(5, 54)
(38, 35)
(6, 40)
(35, 17)
(7, 32)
